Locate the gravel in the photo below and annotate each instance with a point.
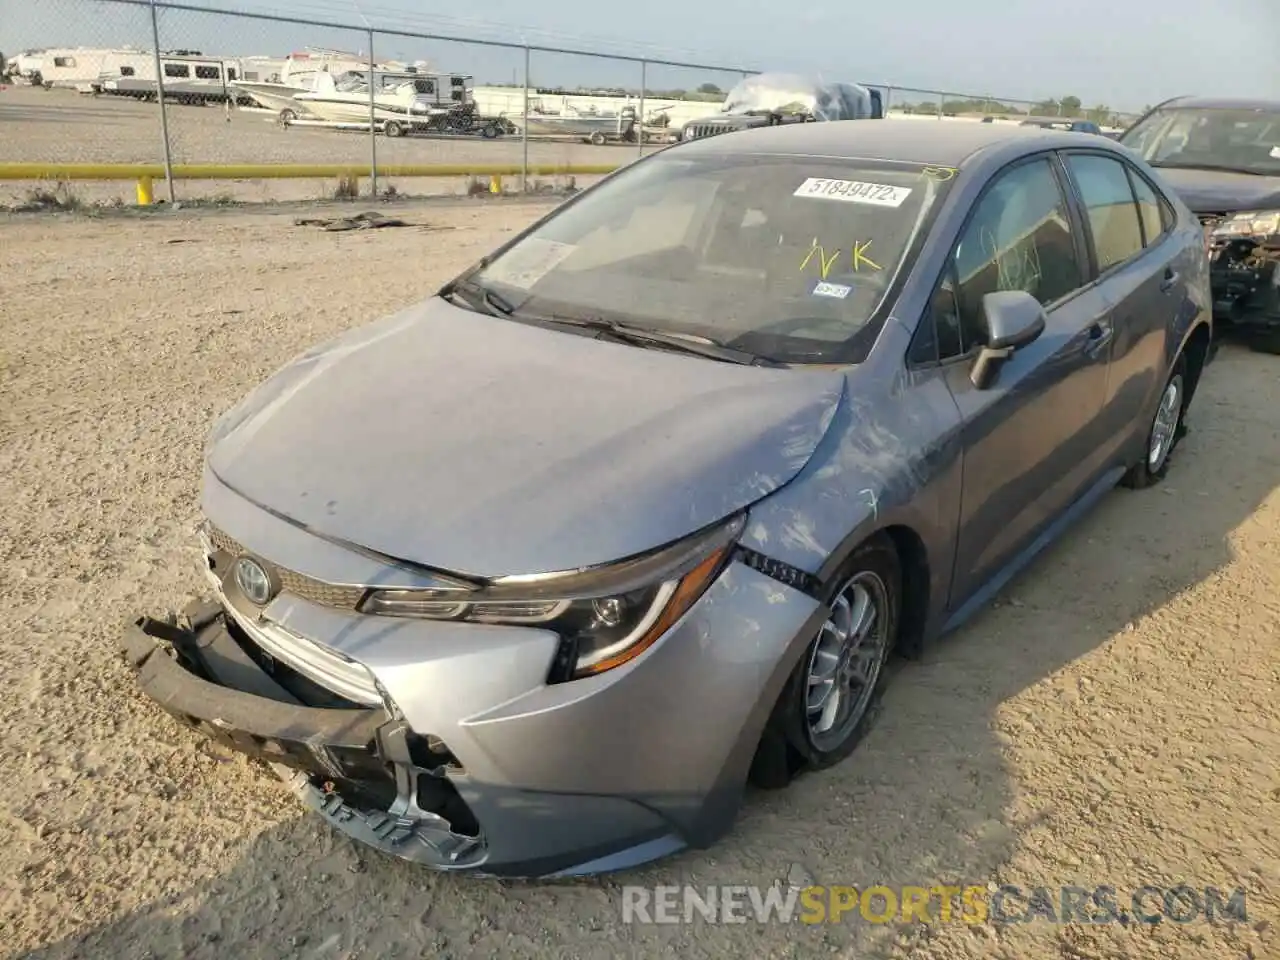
(1113, 720)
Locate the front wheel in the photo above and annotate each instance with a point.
(1167, 428)
(392, 129)
(826, 706)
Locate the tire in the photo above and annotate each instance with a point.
(598, 139)
(1266, 342)
(287, 116)
(1153, 466)
(490, 131)
(794, 738)
(392, 128)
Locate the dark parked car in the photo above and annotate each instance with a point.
(773, 99)
(1223, 158)
(1075, 125)
(532, 577)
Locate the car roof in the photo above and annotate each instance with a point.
(1226, 103)
(946, 143)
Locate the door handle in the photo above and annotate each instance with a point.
(1171, 278)
(1100, 335)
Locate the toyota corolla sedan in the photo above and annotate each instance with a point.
(532, 578)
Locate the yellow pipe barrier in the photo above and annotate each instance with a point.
(146, 195)
(280, 171)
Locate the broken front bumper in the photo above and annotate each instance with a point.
(370, 775)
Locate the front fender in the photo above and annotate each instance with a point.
(891, 458)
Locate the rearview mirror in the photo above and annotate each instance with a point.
(1013, 318)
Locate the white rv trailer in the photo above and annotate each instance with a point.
(188, 78)
(83, 68)
(26, 66)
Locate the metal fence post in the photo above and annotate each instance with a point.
(644, 69)
(888, 99)
(164, 113)
(941, 99)
(373, 127)
(524, 128)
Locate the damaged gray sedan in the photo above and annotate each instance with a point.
(532, 578)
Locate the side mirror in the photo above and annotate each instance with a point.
(1013, 318)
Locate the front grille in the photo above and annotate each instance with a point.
(705, 130)
(297, 584)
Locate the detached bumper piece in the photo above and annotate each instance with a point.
(367, 772)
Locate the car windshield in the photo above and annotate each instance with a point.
(786, 257)
(1209, 138)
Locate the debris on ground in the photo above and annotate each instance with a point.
(361, 221)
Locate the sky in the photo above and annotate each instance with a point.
(1122, 53)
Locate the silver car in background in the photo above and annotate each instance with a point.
(531, 578)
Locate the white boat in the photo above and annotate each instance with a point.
(297, 73)
(401, 99)
(597, 127)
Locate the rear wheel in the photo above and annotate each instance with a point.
(1167, 428)
(598, 138)
(828, 702)
(392, 128)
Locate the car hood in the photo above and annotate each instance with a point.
(487, 447)
(1211, 191)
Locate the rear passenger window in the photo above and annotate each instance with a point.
(1150, 212)
(1019, 238)
(1112, 210)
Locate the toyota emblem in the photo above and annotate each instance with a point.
(254, 581)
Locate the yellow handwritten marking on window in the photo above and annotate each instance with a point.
(860, 256)
(941, 174)
(824, 262)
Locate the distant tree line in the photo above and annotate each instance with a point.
(1068, 107)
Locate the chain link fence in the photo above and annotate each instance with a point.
(277, 103)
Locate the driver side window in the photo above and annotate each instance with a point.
(1018, 237)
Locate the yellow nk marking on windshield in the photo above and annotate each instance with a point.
(858, 253)
(860, 257)
(824, 262)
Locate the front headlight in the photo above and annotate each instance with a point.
(1254, 224)
(605, 616)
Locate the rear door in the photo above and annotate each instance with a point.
(1132, 249)
(1031, 438)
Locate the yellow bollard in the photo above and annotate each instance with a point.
(146, 196)
(495, 184)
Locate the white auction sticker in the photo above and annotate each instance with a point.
(853, 191)
(528, 262)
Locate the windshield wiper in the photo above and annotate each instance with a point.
(685, 343)
(478, 298)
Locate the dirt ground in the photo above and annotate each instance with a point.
(1112, 720)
